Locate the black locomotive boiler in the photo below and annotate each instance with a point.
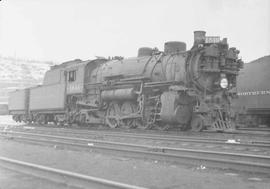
(175, 88)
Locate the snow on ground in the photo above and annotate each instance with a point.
(18, 73)
(12, 69)
(7, 120)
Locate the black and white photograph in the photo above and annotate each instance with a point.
(134, 94)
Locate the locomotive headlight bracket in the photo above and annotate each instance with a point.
(224, 83)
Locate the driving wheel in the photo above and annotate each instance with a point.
(112, 115)
(197, 123)
(127, 109)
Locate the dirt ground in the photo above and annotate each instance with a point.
(141, 172)
(14, 180)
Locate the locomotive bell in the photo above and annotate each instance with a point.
(199, 37)
(174, 47)
(145, 51)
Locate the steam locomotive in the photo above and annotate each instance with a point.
(177, 88)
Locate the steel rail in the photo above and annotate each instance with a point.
(173, 138)
(246, 162)
(62, 176)
(242, 132)
(170, 138)
(255, 129)
(167, 137)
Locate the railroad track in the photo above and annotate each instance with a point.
(262, 132)
(154, 137)
(224, 160)
(61, 176)
(267, 130)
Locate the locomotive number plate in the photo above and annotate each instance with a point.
(212, 39)
(74, 87)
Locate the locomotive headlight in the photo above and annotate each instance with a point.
(224, 83)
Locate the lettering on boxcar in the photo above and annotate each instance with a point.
(249, 93)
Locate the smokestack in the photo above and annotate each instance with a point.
(199, 37)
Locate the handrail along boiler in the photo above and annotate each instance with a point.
(175, 88)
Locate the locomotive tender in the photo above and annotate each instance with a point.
(174, 88)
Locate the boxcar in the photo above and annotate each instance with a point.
(253, 89)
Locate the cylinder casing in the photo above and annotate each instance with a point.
(118, 94)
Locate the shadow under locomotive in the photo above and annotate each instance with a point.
(174, 88)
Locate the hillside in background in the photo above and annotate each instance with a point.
(18, 73)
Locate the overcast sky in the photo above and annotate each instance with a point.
(61, 30)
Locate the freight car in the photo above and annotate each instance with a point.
(253, 89)
(174, 88)
(3, 109)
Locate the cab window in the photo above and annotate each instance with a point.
(72, 75)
